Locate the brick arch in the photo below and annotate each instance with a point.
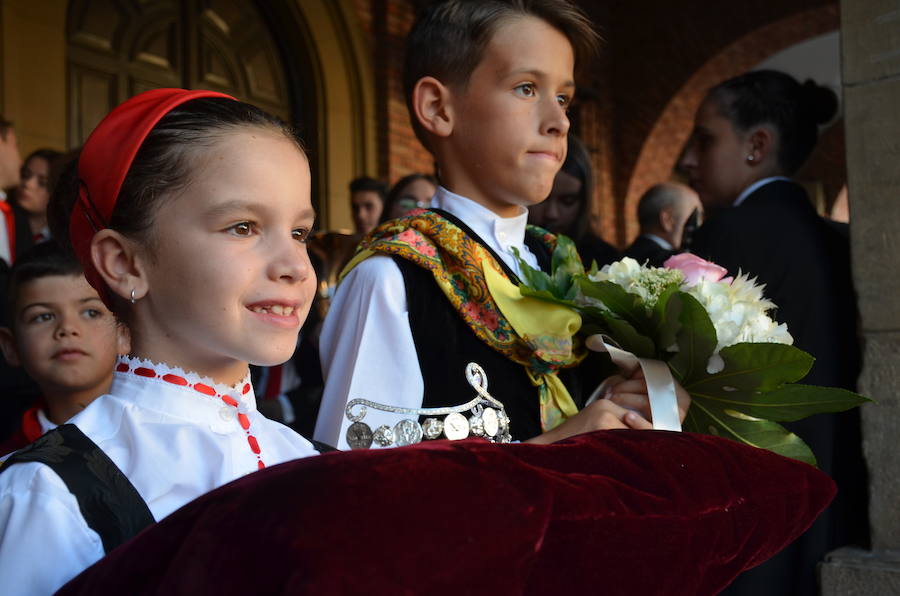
(661, 149)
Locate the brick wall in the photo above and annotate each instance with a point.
(386, 23)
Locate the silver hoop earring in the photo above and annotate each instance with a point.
(133, 299)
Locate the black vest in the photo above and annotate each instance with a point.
(445, 344)
(110, 504)
(108, 501)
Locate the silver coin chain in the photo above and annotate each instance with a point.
(488, 419)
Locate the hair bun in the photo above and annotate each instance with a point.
(818, 101)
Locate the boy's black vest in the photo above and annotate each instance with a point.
(445, 345)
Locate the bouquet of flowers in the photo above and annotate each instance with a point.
(714, 333)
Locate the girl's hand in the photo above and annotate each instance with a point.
(631, 394)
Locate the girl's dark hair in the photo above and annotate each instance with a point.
(164, 163)
(50, 155)
(578, 164)
(394, 193)
(774, 98)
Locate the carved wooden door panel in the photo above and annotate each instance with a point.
(119, 48)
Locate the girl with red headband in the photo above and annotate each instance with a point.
(190, 217)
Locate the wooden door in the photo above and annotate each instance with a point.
(119, 48)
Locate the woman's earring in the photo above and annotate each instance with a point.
(750, 158)
(133, 299)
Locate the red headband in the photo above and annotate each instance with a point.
(104, 162)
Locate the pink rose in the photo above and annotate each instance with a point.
(695, 268)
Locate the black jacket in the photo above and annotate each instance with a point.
(777, 236)
(644, 249)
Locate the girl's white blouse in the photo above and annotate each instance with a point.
(172, 442)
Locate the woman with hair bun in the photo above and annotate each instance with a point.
(751, 133)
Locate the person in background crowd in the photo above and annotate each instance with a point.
(751, 133)
(367, 197)
(10, 168)
(663, 212)
(33, 191)
(567, 209)
(17, 389)
(413, 191)
(61, 333)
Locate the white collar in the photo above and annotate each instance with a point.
(502, 232)
(662, 242)
(753, 187)
(177, 392)
(46, 423)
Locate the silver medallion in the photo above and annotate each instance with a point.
(476, 425)
(407, 432)
(359, 435)
(503, 419)
(490, 422)
(456, 426)
(384, 436)
(432, 428)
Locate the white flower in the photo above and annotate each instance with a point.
(738, 311)
(736, 307)
(646, 282)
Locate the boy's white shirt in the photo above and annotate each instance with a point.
(46, 424)
(173, 443)
(366, 346)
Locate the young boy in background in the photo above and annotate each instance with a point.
(60, 332)
(488, 84)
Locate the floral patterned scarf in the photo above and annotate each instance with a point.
(538, 335)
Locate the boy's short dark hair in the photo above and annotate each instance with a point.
(42, 260)
(367, 184)
(448, 39)
(5, 125)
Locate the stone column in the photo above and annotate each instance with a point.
(870, 32)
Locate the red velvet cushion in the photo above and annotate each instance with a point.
(617, 512)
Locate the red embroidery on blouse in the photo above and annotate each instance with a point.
(242, 418)
(175, 379)
(207, 390)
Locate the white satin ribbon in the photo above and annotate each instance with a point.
(660, 385)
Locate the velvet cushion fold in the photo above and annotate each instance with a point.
(611, 512)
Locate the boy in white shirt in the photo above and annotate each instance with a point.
(62, 334)
(488, 85)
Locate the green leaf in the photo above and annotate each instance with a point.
(793, 402)
(565, 257)
(751, 368)
(560, 284)
(532, 278)
(625, 305)
(547, 296)
(711, 418)
(665, 318)
(696, 340)
(628, 338)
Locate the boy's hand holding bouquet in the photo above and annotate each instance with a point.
(711, 333)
